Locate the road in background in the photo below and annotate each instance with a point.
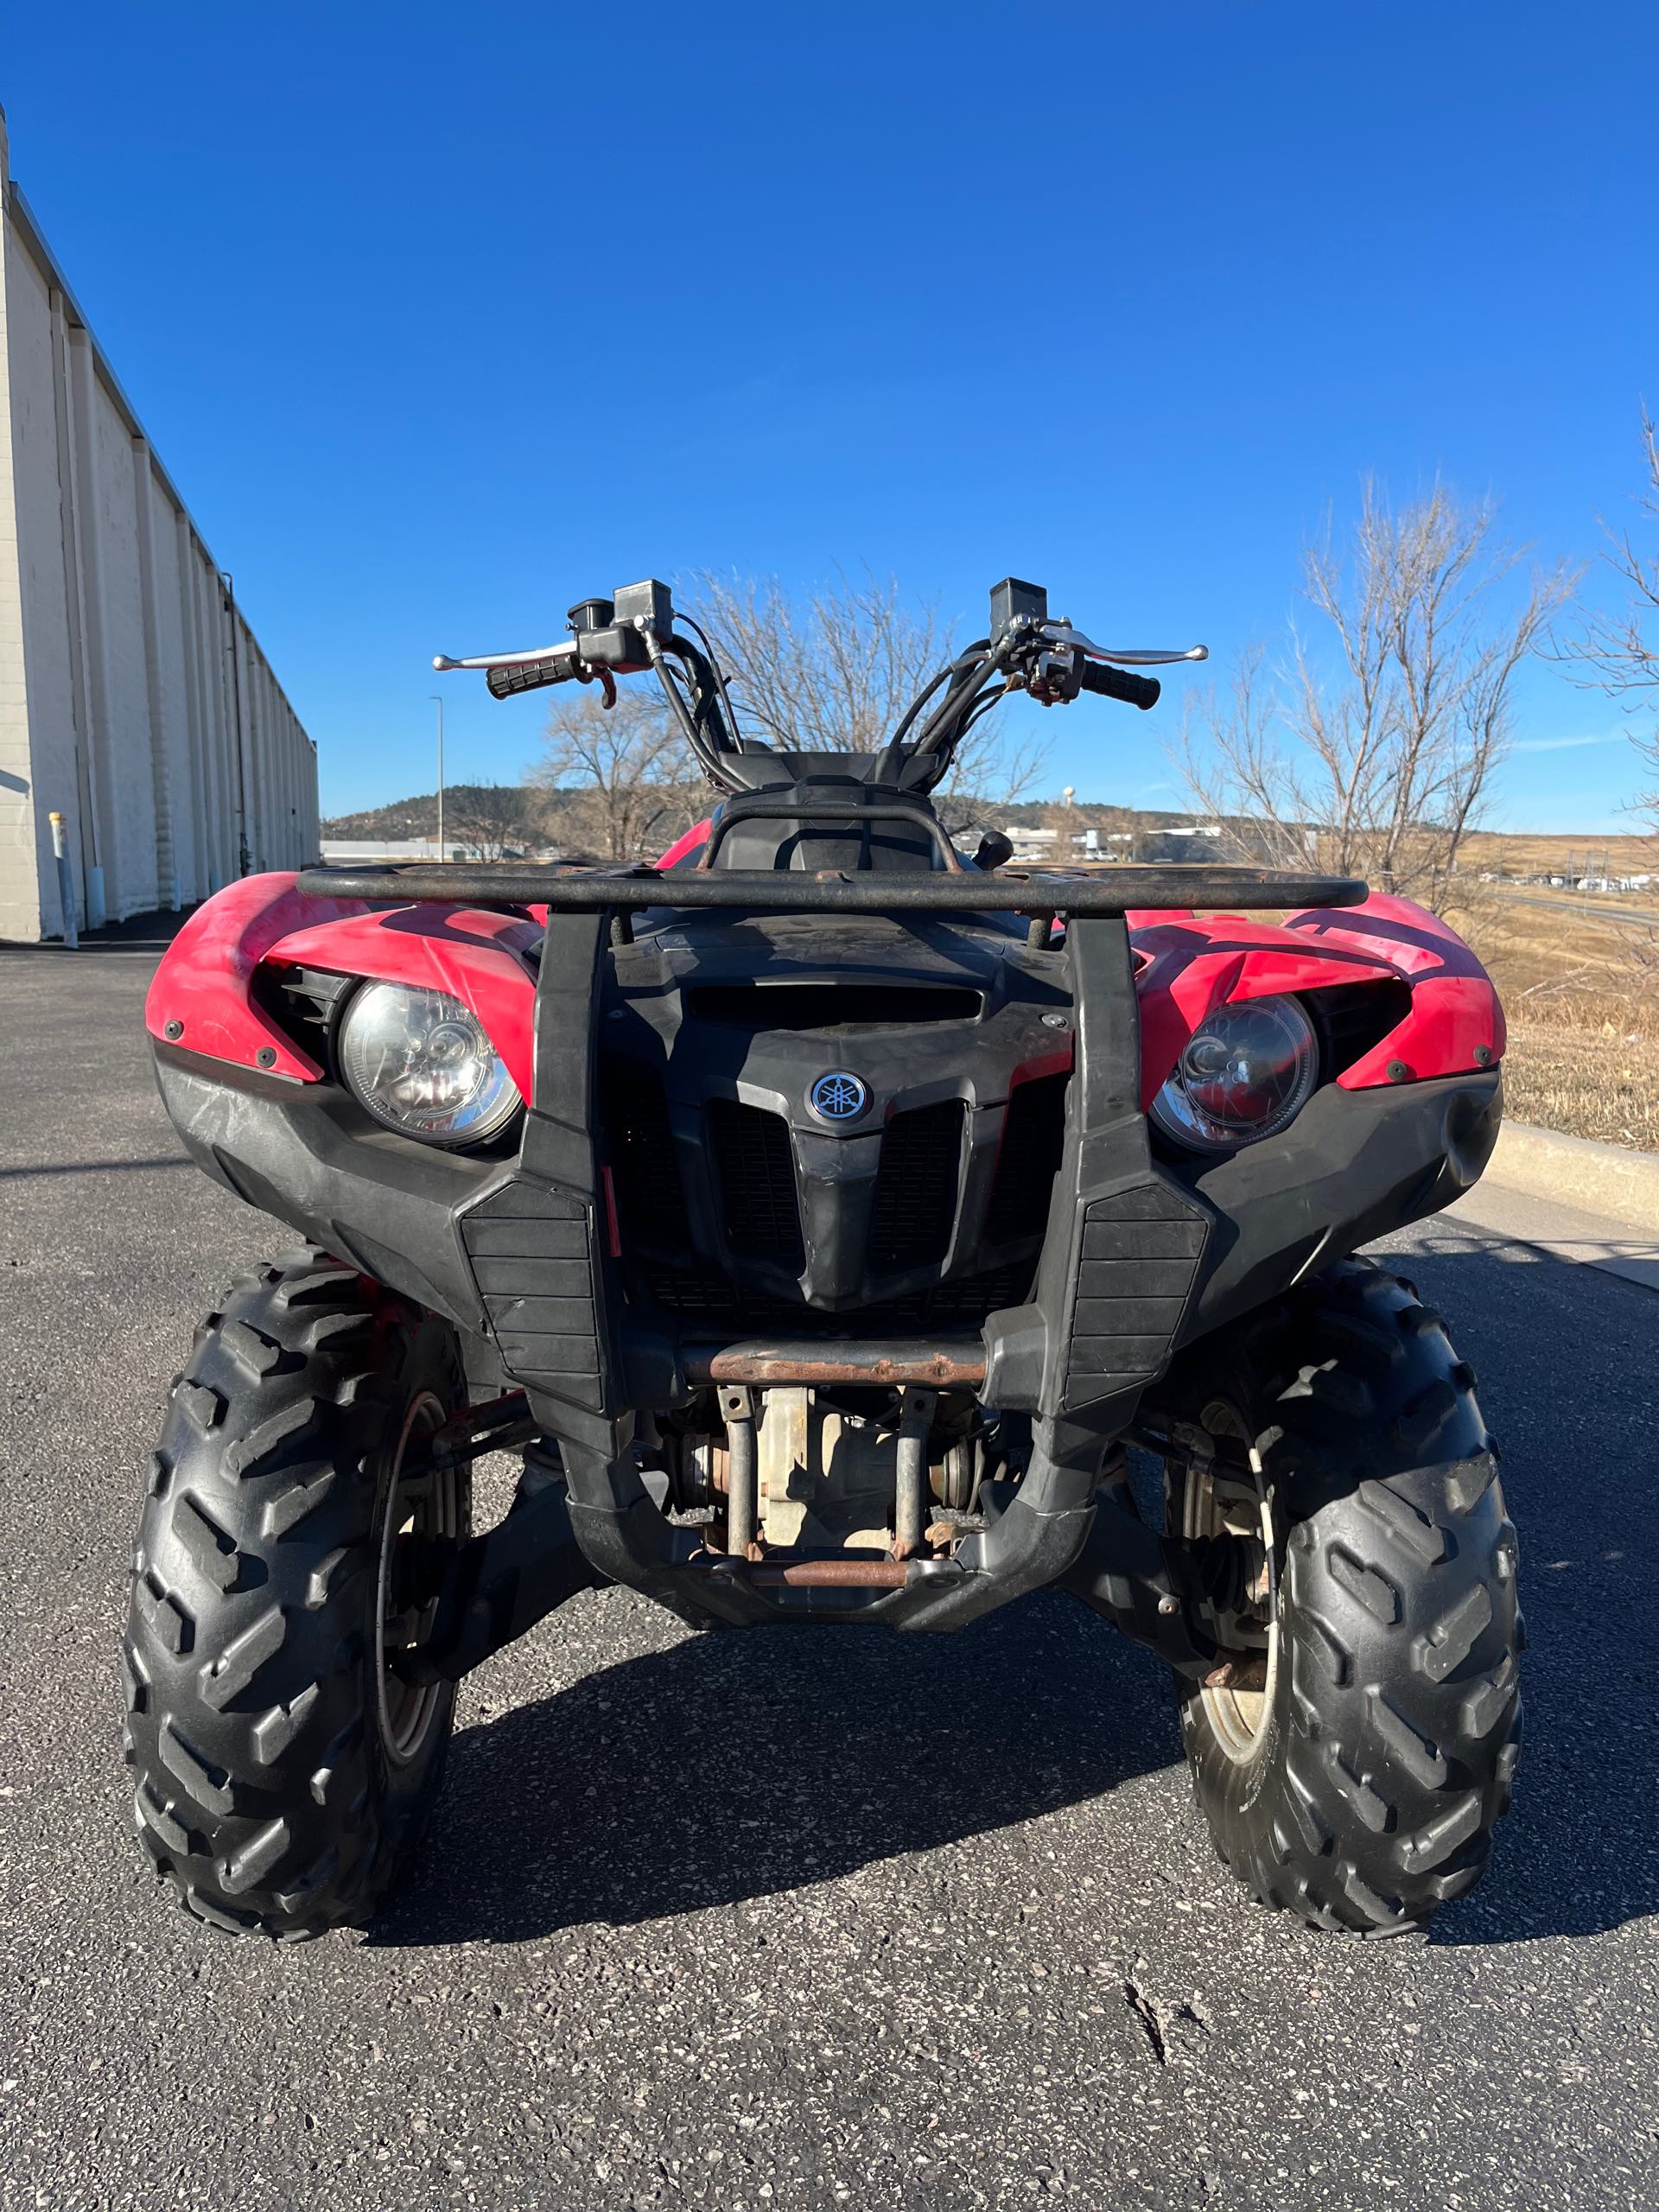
(810, 1918)
(1604, 910)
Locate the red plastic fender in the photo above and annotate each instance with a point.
(1456, 1020)
(202, 985)
(682, 847)
(1190, 966)
(476, 957)
(199, 996)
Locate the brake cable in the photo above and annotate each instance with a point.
(936, 736)
(708, 758)
(731, 730)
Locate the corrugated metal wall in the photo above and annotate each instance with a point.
(134, 699)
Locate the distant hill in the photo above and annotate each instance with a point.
(418, 817)
(1088, 814)
(1514, 853)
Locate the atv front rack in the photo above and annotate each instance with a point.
(531, 1265)
(1125, 888)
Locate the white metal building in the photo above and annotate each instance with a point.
(134, 699)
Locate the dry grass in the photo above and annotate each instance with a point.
(1582, 998)
(1521, 853)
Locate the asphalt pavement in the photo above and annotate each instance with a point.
(794, 1919)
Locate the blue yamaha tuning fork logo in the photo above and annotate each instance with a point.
(838, 1096)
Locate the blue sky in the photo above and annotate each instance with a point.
(442, 319)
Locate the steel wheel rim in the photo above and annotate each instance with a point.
(424, 1507)
(1239, 1719)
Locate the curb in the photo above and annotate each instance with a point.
(1610, 1179)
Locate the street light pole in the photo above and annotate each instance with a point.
(438, 702)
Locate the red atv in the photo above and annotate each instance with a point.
(825, 1215)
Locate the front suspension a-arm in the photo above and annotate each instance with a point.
(497, 1587)
(1144, 1584)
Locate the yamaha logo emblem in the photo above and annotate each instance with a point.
(838, 1096)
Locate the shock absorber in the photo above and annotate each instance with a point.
(743, 1478)
(911, 1488)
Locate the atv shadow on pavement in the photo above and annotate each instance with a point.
(731, 1766)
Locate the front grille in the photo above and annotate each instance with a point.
(645, 1179)
(756, 1167)
(914, 1208)
(855, 1004)
(1033, 1137)
(701, 1293)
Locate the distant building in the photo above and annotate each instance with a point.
(1186, 842)
(134, 699)
(1031, 844)
(341, 852)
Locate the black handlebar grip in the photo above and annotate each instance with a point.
(1118, 683)
(514, 677)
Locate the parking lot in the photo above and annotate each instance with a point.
(797, 1919)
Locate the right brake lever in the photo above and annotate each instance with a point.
(1062, 634)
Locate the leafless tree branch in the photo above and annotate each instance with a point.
(830, 672)
(835, 672)
(494, 818)
(1381, 767)
(1619, 653)
(620, 772)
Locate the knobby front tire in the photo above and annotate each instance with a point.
(283, 1770)
(1359, 1787)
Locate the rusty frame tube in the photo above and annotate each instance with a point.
(940, 1362)
(910, 1499)
(743, 1464)
(829, 1574)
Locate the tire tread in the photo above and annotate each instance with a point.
(1398, 1732)
(245, 1688)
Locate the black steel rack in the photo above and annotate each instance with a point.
(1125, 888)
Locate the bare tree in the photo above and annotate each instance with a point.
(989, 771)
(493, 817)
(1619, 653)
(1383, 767)
(835, 671)
(831, 673)
(1245, 774)
(621, 772)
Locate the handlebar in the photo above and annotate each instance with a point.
(1118, 683)
(1026, 650)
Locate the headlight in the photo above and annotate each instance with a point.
(1246, 1073)
(420, 1063)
